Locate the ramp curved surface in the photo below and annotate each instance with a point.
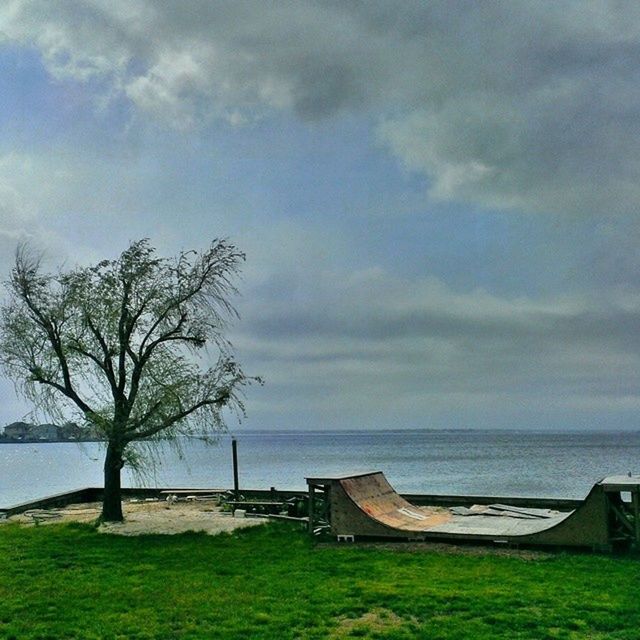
(379, 500)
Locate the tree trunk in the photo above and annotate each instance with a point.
(112, 500)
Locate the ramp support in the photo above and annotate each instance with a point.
(624, 515)
(319, 512)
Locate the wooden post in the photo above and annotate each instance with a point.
(311, 506)
(234, 451)
(635, 498)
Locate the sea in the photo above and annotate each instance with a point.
(455, 462)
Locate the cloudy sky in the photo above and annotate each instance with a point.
(438, 200)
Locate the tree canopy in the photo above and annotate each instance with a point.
(122, 343)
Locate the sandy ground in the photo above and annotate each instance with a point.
(145, 517)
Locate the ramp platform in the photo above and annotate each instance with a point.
(366, 506)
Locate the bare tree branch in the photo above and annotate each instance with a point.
(219, 401)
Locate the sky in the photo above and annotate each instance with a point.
(438, 200)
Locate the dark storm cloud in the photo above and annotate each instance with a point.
(417, 341)
(531, 106)
(373, 305)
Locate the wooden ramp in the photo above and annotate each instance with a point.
(366, 506)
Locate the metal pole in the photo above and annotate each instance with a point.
(234, 450)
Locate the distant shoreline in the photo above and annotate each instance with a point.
(46, 441)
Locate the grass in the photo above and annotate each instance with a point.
(67, 581)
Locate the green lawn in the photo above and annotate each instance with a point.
(67, 581)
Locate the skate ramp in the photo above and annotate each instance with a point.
(367, 505)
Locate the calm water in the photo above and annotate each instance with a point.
(462, 462)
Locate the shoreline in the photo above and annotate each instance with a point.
(49, 441)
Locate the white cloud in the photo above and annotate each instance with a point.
(17, 215)
(168, 90)
(77, 40)
(31, 191)
(528, 106)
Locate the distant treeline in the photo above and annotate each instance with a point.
(27, 432)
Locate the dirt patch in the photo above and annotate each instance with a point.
(428, 546)
(142, 517)
(374, 621)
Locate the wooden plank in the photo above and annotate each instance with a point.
(255, 503)
(622, 517)
(533, 513)
(192, 492)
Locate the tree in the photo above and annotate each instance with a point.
(120, 344)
